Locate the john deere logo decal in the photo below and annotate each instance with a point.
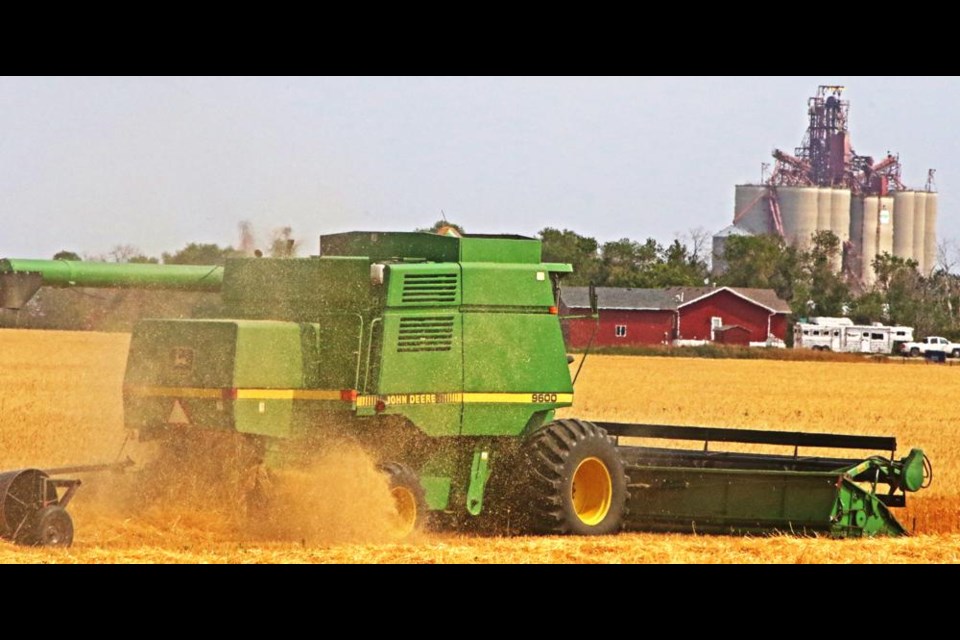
(182, 358)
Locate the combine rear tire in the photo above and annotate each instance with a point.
(408, 497)
(575, 481)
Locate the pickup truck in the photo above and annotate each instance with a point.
(931, 344)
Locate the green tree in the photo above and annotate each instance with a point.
(867, 308)
(943, 288)
(67, 255)
(571, 248)
(765, 262)
(910, 299)
(625, 263)
(822, 289)
(198, 253)
(680, 266)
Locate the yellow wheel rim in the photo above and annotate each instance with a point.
(592, 491)
(406, 505)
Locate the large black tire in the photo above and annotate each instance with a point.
(408, 496)
(50, 526)
(914, 352)
(574, 480)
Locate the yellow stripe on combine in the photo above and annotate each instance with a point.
(395, 399)
(390, 399)
(241, 394)
(519, 398)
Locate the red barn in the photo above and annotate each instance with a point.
(728, 315)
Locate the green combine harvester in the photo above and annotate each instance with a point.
(444, 356)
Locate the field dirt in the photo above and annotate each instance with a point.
(60, 404)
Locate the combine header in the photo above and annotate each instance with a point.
(444, 356)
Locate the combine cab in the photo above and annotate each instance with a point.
(444, 356)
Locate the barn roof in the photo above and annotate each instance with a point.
(766, 298)
(620, 298)
(667, 299)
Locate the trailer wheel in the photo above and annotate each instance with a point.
(49, 527)
(575, 480)
(408, 495)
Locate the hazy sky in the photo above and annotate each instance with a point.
(90, 163)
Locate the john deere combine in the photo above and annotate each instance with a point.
(445, 357)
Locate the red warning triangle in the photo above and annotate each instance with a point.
(178, 415)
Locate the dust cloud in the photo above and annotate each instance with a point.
(214, 487)
(340, 496)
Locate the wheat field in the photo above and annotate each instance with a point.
(60, 405)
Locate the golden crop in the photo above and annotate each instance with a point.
(60, 404)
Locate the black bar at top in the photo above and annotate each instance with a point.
(748, 436)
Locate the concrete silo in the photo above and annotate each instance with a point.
(839, 222)
(885, 214)
(903, 206)
(824, 208)
(930, 234)
(840, 213)
(856, 235)
(870, 241)
(919, 228)
(752, 209)
(799, 212)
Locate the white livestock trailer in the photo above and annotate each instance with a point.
(843, 336)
